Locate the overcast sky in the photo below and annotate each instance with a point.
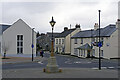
(38, 13)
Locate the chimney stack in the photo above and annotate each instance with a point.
(77, 26)
(96, 26)
(118, 23)
(65, 28)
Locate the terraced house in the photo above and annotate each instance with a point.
(62, 42)
(85, 43)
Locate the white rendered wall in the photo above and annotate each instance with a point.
(10, 38)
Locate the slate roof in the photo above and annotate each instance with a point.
(4, 27)
(86, 47)
(54, 34)
(104, 32)
(65, 33)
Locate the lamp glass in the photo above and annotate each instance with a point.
(52, 23)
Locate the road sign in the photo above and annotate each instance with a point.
(32, 46)
(100, 44)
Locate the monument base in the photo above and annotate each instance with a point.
(52, 66)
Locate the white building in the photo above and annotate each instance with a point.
(62, 42)
(17, 39)
(84, 43)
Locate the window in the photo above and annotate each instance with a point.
(96, 39)
(62, 41)
(101, 53)
(59, 41)
(93, 52)
(81, 40)
(102, 39)
(81, 52)
(56, 49)
(75, 41)
(93, 39)
(19, 44)
(56, 41)
(75, 51)
(84, 53)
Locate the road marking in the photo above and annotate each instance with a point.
(101, 68)
(88, 62)
(104, 67)
(68, 62)
(40, 62)
(111, 67)
(77, 62)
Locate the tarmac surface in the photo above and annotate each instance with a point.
(66, 73)
(20, 67)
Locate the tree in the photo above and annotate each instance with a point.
(38, 34)
(38, 47)
(5, 48)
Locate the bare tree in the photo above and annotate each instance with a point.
(5, 48)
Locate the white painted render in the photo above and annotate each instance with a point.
(67, 41)
(110, 45)
(58, 45)
(0, 40)
(85, 40)
(0, 44)
(9, 38)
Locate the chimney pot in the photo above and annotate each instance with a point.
(118, 19)
(96, 26)
(77, 26)
(65, 28)
(118, 23)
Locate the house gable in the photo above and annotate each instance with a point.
(19, 23)
(10, 37)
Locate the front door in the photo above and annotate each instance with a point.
(88, 53)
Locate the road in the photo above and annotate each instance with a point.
(65, 61)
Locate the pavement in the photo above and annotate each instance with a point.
(66, 73)
(12, 60)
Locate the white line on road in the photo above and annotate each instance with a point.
(40, 62)
(104, 68)
(111, 67)
(77, 62)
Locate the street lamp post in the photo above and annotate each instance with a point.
(52, 23)
(99, 42)
(52, 66)
(32, 42)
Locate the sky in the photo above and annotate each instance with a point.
(38, 13)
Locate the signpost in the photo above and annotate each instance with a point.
(100, 44)
(32, 46)
(32, 41)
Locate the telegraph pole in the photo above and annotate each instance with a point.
(99, 42)
(70, 40)
(32, 42)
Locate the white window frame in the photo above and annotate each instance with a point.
(59, 41)
(75, 41)
(56, 41)
(20, 44)
(62, 41)
(75, 51)
(81, 40)
(102, 53)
